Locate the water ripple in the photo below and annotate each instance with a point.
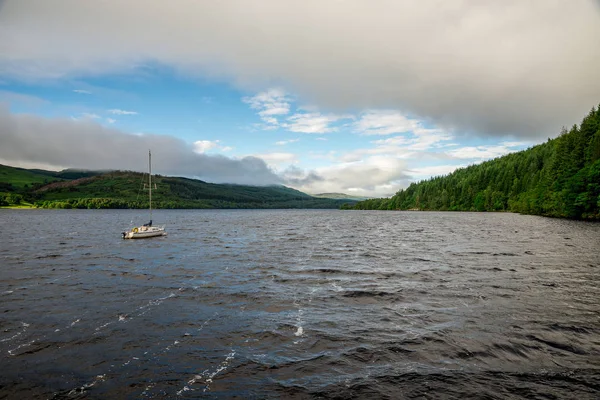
(299, 304)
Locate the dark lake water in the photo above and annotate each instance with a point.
(298, 304)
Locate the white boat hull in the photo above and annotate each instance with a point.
(144, 232)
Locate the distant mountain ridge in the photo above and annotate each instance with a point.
(124, 189)
(339, 196)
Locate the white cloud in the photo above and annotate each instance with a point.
(274, 111)
(275, 103)
(270, 103)
(485, 152)
(394, 141)
(387, 122)
(374, 176)
(284, 142)
(485, 67)
(81, 91)
(116, 111)
(521, 144)
(90, 116)
(203, 146)
(426, 139)
(384, 122)
(387, 151)
(408, 146)
(436, 170)
(271, 122)
(85, 116)
(415, 137)
(314, 122)
(111, 120)
(330, 156)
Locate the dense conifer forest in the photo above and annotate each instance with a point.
(559, 178)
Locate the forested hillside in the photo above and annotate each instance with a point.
(559, 178)
(124, 189)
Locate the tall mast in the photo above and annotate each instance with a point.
(150, 181)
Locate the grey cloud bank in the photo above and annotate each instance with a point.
(485, 68)
(31, 141)
(65, 143)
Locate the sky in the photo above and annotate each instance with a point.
(345, 96)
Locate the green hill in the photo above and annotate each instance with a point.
(20, 177)
(124, 189)
(559, 178)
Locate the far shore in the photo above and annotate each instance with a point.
(19, 207)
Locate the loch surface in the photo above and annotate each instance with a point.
(298, 304)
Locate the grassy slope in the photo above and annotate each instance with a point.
(19, 177)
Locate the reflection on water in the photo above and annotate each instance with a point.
(299, 304)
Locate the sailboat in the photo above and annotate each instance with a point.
(146, 230)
